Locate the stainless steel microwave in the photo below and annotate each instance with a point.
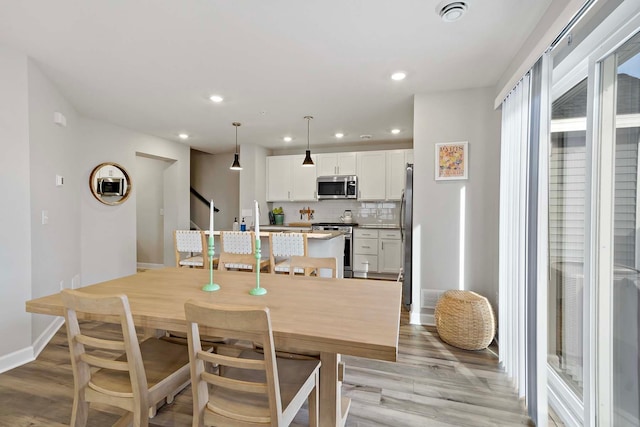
(337, 187)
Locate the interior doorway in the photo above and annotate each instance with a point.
(150, 211)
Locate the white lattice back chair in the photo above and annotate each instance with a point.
(191, 248)
(282, 246)
(237, 250)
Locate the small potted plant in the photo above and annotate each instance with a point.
(278, 214)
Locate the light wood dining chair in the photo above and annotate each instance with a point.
(238, 251)
(313, 265)
(282, 246)
(249, 388)
(191, 249)
(130, 375)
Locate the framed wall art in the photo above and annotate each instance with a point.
(452, 160)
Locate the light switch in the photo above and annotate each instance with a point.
(161, 212)
(45, 217)
(59, 180)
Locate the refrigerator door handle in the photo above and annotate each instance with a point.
(400, 221)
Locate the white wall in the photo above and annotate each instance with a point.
(54, 150)
(15, 218)
(253, 186)
(465, 115)
(108, 241)
(212, 178)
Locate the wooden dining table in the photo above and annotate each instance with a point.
(321, 315)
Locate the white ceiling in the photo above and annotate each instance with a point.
(150, 65)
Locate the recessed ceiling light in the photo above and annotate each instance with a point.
(395, 131)
(183, 136)
(287, 139)
(398, 76)
(339, 135)
(216, 98)
(453, 11)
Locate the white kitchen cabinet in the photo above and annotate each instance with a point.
(278, 178)
(376, 251)
(371, 167)
(389, 251)
(396, 172)
(409, 156)
(336, 164)
(365, 251)
(303, 185)
(288, 180)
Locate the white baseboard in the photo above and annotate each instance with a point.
(417, 318)
(29, 354)
(15, 359)
(148, 265)
(44, 338)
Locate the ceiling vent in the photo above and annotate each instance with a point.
(451, 12)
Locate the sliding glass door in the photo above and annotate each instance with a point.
(619, 273)
(593, 330)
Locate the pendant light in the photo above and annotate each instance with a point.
(236, 157)
(308, 161)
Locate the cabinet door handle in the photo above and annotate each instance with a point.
(289, 195)
(367, 247)
(382, 246)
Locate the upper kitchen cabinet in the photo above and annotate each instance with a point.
(336, 164)
(371, 175)
(288, 180)
(396, 172)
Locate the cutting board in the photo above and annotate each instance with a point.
(299, 224)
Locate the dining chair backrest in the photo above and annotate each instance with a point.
(282, 246)
(124, 381)
(237, 251)
(190, 248)
(247, 388)
(311, 265)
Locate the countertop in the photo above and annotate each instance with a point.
(381, 226)
(314, 235)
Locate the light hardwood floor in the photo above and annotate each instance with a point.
(431, 384)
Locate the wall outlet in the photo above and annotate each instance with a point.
(59, 119)
(75, 281)
(61, 284)
(247, 212)
(45, 217)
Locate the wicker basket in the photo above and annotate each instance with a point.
(465, 320)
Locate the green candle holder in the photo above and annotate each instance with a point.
(210, 287)
(258, 290)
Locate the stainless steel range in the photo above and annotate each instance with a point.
(347, 230)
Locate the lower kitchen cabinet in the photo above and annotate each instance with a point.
(389, 252)
(365, 251)
(376, 251)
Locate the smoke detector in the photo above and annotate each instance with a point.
(451, 12)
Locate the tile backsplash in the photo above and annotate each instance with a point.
(332, 210)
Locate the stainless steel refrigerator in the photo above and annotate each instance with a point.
(406, 231)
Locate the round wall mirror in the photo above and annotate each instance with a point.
(110, 183)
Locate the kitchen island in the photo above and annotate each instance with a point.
(319, 244)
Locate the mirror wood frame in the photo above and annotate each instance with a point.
(93, 178)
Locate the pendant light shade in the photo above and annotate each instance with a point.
(308, 161)
(236, 157)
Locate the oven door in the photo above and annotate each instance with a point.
(348, 250)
